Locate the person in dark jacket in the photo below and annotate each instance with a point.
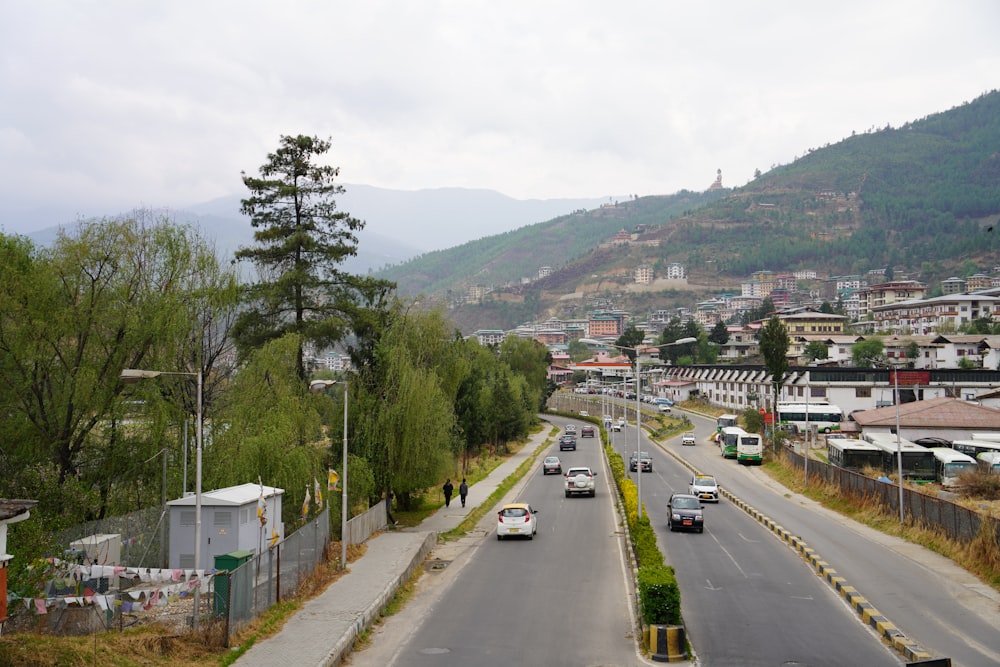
(448, 488)
(463, 491)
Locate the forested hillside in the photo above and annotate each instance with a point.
(919, 201)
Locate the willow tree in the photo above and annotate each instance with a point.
(301, 242)
(403, 421)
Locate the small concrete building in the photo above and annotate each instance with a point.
(228, 523)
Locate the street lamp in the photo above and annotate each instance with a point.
(318, 387)
(638, 406)
(899, 445)
(134, 375)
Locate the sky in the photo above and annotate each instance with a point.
(111, 105)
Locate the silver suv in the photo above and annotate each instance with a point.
(580, 480)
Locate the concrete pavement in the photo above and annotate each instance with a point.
(324, 630)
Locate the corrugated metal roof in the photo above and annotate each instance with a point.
(934, 412)
(233, 496)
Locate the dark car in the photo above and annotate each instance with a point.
(684, 513)
(567, 442)
(643, 459)
(587, 432)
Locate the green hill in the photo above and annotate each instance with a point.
(920, 199)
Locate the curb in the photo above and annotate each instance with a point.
(345, 644)
(870, 616)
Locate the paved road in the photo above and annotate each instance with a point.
(929, 598)
(560, 599)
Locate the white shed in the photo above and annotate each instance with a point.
(228, 523)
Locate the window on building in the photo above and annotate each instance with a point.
(862, 392)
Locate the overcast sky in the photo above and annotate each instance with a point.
(110, 105)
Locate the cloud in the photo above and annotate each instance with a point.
(117, 104)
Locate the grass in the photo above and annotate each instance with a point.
(981, 557)
(154, 644)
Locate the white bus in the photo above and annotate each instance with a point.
(725, 420)
(990, 437)
(750, 449)
(950, 464)
(974, 448)
(824, 417)
(729, 439)
(853, 454)
(989, 462)
(918, 462)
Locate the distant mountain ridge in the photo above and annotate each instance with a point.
(399, 224)
(919, 201)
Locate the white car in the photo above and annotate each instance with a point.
(621, 423)
(517, 520)
(580, 480)
(688, 439)
(704, 487)
(665, 408)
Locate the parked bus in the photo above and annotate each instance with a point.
(918, 462)
(824, 417)
(853, 454)
(991, 436)
(729, 438)
(949, 464)
(974, 448)
(750, 449)
(989, 462)
(725, 420)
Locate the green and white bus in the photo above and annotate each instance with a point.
(750, 449)
(729, 440)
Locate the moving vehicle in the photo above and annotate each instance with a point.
(580, 480)
(684, 513)
(688, 439)
(643, 459)
(584, 413)
(552, 464)
(750, 449)
(587, 431)
(725, 420)
(917, 461)
(665, 408)
(729, 438)
(570, 429)
(567, 442)
(517, 520)
(616, 426)
(704, 487)
(621, 423)
(853, 454)
(823, 417)
(949, 465)
(664, 401)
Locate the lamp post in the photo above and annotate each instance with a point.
(638, 404)
(134, 375)
(318, 387)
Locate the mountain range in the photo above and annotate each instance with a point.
(918, 201)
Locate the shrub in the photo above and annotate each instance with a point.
(659, 595)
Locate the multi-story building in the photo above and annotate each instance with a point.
(952, 285)
(490, 336)
(977, 282)
(676, 271)
(883, 294)
(926, 316)
(605, 323)
(643, 274)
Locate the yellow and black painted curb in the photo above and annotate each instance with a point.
(869, 615)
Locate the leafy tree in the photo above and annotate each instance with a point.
(529, 360)
(720, 334)
(301, 241)
(816, 349)
(774, 343)
(630, 338)
(867, 352)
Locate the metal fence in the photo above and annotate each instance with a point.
(145, 535)
(957, 522)
(251, 589)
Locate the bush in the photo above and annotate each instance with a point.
(659, 595)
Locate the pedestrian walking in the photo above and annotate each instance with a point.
(448, 488)
(463, 491)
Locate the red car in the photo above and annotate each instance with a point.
(587, 432)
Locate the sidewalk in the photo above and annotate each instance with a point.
(324, 630)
